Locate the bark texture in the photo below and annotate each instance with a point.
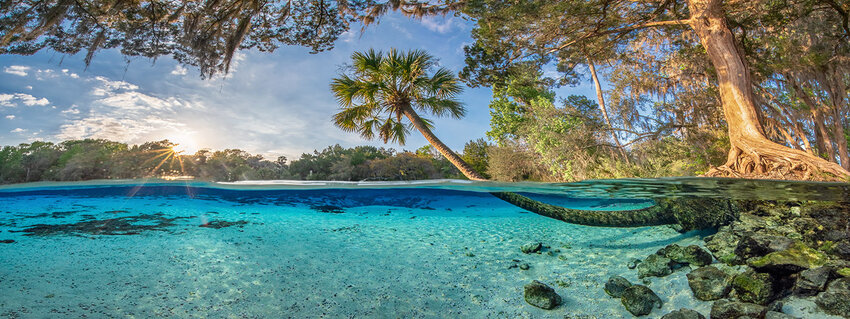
(752, 155)
(690, 213)
(450, 155)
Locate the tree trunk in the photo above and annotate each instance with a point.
(450, 155)
(752, 154)
(689, 212)
(840, 139)
(601, 99)
(822, 135)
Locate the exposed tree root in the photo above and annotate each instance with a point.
(768, 160)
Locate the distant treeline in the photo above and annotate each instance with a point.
(88, 159)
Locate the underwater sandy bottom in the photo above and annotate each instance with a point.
(449, 259)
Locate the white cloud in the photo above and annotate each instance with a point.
(139, 101)
(11, 117)
(26, 99)
(348, 36)
(440, 25)
(179, 70)
(72, 110)
(29, 87)
(107, 86)
(18, 130)
(71, 74)
(19, 70)
(401, 29)
(121, 113)
(6, 99)
(127, 129)
(45, 74)
(30, 100)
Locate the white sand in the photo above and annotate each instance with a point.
(290, 263)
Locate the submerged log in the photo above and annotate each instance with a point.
(689, 213)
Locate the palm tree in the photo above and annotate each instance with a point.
(381, 89)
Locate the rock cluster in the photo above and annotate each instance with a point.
(638, 299)
(768, 253)
(666, 259)
(780, 249)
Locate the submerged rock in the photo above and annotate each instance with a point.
(531, 248)
(836, 299)
(639, 300)
(683, 313)
(777, 315)
(797, 257)
(692, 255)
(757, 245)
(633, 263)
(709, 283)
(541, 296)
(219, 224)
(722, 245)
(730, 309)
(811, 281)
(753, 287)
(7, 241)
(616, 285)
(655, 266)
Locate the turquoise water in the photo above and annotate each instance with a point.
(437, 249)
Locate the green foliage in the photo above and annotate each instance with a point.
(475, 154)
(380, 89)
(513, 162)
(540, 141)
(101, 159)
(204, 34)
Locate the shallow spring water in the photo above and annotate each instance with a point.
(433, 249)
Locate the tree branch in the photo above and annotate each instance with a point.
(650, 24)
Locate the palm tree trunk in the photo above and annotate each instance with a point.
(450, 155)
(689, 213)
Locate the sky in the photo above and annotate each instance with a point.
(270, 103)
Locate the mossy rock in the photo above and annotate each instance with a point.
(655, 266)
(639, 300)
(753, 287)
(795, 258)
(701, 213)
(709, 283)
(844, 272)
(541, 296)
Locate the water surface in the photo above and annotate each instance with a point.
(432, 249)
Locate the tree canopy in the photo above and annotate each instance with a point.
(205, 33)
(689, 68)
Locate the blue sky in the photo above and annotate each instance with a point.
(271, 104)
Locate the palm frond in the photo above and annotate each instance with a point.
(442, 107)
(385, 84)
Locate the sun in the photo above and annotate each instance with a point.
(184, 144)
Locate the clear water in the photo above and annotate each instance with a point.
(434, 249)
